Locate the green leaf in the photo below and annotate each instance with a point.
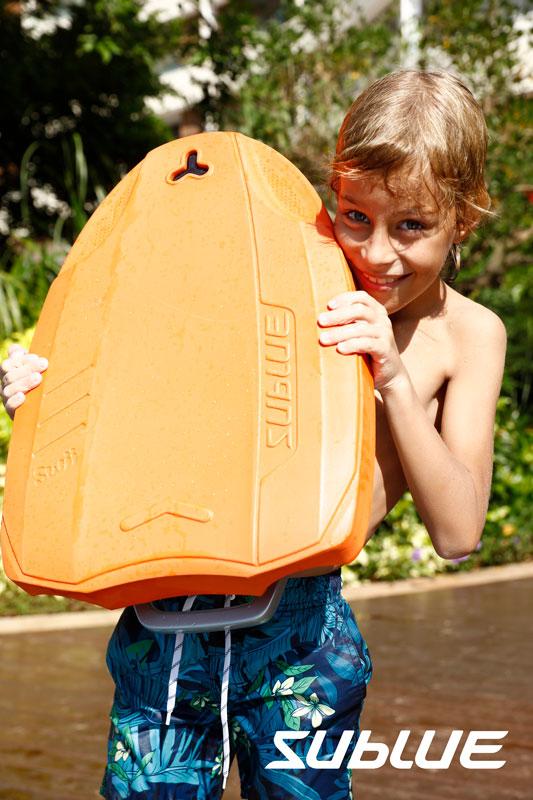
(139, 650)
(291, 722)
(257, 681)
(292, 669)
(144, 761)
(119, 771)
(303, 684)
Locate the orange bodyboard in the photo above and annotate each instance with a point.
(190, 434)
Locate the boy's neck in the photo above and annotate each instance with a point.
(429, 304)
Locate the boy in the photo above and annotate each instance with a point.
(408, 175)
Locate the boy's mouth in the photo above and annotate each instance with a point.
(381, 281)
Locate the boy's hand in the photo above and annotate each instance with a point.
(357, 323)
(20, 373)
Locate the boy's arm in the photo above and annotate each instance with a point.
(449, 475)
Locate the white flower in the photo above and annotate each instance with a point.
(283, 688)
(315, 708)
(121, 752)
(217, 766)
(4, 221)
(45, 197)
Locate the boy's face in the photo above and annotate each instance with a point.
(395, 245)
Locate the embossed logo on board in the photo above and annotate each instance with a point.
(279, 378)
(47, 471)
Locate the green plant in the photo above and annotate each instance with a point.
(84, 81)
(14, 601)
(288, 78)
(26, 272)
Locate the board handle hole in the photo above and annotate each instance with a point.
(192, 168)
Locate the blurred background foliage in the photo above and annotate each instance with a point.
(74, 97)
(75, 119)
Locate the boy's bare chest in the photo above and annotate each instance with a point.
(427, 355)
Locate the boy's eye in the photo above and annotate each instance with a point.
(413, 225)
(357, 216)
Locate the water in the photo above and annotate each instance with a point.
(453, 658)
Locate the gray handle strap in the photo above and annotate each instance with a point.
(256, 612)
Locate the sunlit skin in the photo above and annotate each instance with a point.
(386, 237)
(436, 357)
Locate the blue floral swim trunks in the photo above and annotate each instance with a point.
(185, 704)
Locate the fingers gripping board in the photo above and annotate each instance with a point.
(190, 434)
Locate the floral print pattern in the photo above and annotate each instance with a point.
(305, 669)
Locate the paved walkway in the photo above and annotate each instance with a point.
(457, 658)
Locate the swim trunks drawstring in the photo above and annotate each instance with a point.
(173, 682)
(224, 697)
(176, 658)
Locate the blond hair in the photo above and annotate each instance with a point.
(425, 123)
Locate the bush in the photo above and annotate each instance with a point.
(83, 80)
(401, 547)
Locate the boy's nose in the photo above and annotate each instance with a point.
(378, 249)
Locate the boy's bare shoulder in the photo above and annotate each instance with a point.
(476, 341)
(471, 324)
